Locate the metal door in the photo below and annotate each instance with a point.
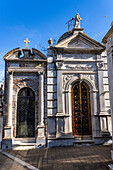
(81, 113)
(26, 113)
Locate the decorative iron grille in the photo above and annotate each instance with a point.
(26, 113)
(81, 116)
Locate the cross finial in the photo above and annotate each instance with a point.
(26, 41)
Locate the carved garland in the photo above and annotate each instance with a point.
(79, 67)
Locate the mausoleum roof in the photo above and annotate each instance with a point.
(65, 35)
(76, 39)
(34, 54)
(104, 40)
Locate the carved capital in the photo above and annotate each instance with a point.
(40, 72)
(100, 65)
(10, 74)
(59, 65)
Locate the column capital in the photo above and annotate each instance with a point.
(40, 72)
(10, 74)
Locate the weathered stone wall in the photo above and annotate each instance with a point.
(27, 75)
(20, 81)
(108, 41)
(1, 111)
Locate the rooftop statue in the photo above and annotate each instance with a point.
(77, 21)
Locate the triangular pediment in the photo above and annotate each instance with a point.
(79, 41)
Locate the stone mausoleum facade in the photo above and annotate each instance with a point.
(58, 100)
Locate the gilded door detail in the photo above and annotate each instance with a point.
(81, 114)
(26, 113)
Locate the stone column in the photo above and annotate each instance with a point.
(59, 88)
(60, 114)
(101, 89)
(41, 100)
(8, 129)
(41, 127)
(9, 101)
(103, 129)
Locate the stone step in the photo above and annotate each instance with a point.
(24, 140)
(85, 137)
(21, 145)
(78, 143)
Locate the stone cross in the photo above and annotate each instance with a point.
(26, 41)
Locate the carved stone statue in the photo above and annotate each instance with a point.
(77, 21)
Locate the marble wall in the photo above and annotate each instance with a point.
(62, 72)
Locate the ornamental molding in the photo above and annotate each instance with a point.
(79, 56)
(80, 77)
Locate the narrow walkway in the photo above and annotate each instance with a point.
(67, 158)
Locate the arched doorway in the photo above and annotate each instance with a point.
(81, 112)
(25, 113)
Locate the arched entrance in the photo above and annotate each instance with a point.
(26, 113)
(81, 112)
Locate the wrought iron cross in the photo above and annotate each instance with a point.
(26, 41)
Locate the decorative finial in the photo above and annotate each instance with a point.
(50, 41)
(77, 21)
(26, 41)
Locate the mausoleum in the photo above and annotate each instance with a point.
(58, 100)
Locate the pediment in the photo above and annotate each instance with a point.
(79, 41)
(13, 54)
(16, 54)
(38, 54)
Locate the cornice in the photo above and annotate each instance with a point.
(12, 52)
(104, 40)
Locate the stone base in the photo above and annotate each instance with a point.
(41, 131)
(1, 129)
(7, 144)
(102, 140)
(8, 132)
(60, 142)
(112, 155)
(41, 142)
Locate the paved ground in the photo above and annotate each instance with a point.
(67, 158)
(9, 164)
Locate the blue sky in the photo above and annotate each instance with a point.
(39, 20)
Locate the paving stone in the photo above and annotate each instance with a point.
(68, 158)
